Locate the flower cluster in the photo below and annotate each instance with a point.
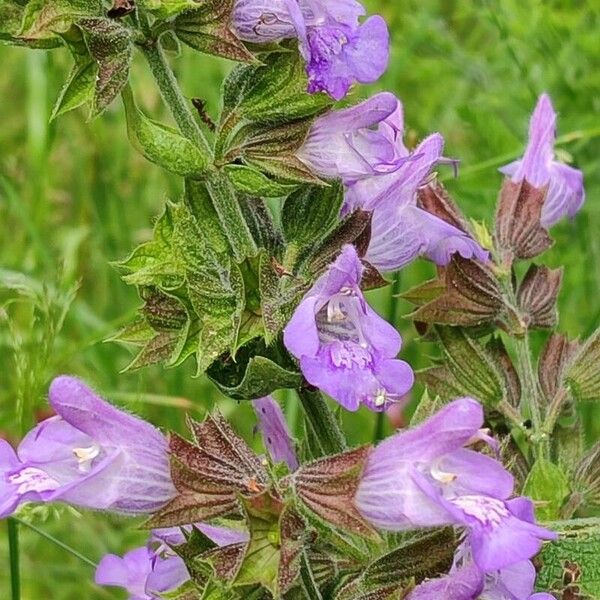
(337, 47)
(446, 483)
(423, 477)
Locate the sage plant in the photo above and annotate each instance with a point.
(483, 494)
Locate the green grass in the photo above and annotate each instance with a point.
(74, 196)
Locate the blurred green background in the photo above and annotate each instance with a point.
(74, 196)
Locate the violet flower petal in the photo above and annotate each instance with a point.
(463, 584)
(565, 195)
(275, 433)
(129, 572)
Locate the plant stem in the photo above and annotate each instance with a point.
(13, 550)
(221, 190)
(175, 100)
(379, 432)
(322, 422)
(531, 396)
(57, 542)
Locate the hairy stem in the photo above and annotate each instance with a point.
(322, 422)
(531, 396)
(13, 550)
(177, 103)
(221, 190)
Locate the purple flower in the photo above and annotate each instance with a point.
(565, 194)
(357, 142)
(129, 572)
(143, 573)
(337, 48)
(401, 234)
(275, 432)
(91, 454)
(398, 187)
(444, 483)
(343, 346)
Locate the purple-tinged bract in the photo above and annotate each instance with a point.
(344, 347)
(92, 455)
(538, 166)
(275, 432)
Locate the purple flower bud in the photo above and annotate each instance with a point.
(356, 142)
(337, 48)
(444, 483)
(565, 194)
(275, 432)
(91, 454)
(343, 346)
(263, 21)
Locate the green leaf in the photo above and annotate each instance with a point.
(111, 46)
(310, 213)
(161, 144)
(570, 567)
(254, 373)
(46, 18)
(280, 294)
(271, 93)
(207, 29)
(165, 9)
(473, 367)
(156, 262)
(583, 373)
(548, 487)
(11, 19)
(251, 181)
(424, 554)
(78, 89)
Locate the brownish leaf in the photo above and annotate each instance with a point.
(519, 232)
(513, 384)
(555, 357)
(470, 297)
(372, 278)
(292, 530)
(328, 487)
(434, 199)
(210, 476)
(226, 560)
(537, 296)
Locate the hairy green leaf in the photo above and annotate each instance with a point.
(548, 487)
(251, 181)
(111, 46)
(583, 373)
(161, 144)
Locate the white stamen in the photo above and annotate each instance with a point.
(85, 456)
(381, 397)
(442, 476)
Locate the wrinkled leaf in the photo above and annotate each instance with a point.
(570, 567)
(78, 89)
(251, 181)
(207, 29)
(111, 46)
(45, 18)
(253, 374)
(161, 144)
(519, 232)
(583, 373)
(548, 487)
(328, 487)
(537, 296)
